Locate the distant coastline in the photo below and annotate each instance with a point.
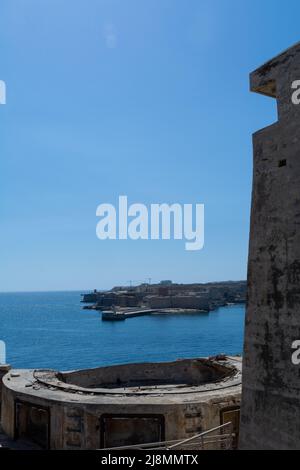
(167, 298)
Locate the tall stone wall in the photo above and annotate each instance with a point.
(270, 416)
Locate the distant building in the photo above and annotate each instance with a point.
(169, 295)
(179, 301)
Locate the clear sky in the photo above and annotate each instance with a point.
(147, 98)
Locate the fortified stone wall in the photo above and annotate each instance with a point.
(270, 416)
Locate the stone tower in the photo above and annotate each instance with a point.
(270, 415)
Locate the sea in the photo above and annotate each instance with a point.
(51, 330)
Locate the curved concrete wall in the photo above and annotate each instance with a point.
(179, 372)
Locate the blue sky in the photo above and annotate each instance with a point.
(147, 98)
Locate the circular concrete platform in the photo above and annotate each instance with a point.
(104, 407)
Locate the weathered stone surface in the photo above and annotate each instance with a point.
(4, 368)
(270, 417)
(106, 406)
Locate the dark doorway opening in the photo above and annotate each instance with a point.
(32, 423)
(128, 430)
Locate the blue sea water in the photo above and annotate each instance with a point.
(50, 330)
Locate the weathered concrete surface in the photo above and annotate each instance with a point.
(78, 403)
(146, 377)
(270, 416)
(4, 368)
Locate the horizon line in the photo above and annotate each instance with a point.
(42, 291)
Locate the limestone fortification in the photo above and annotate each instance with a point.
(121, 405)
(270, 416)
